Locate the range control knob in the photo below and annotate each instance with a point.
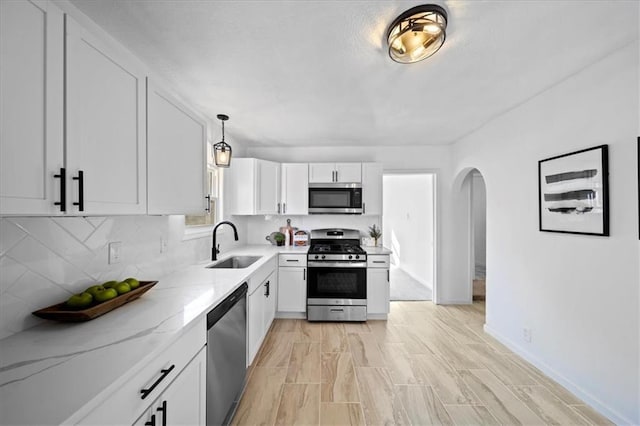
(350, 257)
(316, 256)
(323, 256)
(357, 256)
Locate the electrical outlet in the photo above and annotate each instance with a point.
(115, 252)
(526, 334)
(163, 244)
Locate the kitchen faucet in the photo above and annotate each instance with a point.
(215, 249)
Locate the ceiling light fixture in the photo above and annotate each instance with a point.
(417, 33)
(222, 150)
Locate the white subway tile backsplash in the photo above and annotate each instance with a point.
(10, 235)
(44, 260)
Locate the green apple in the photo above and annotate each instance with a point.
(110, 284)
(94, 289)
(78, 301)
(133, 283)
(106, 294)
(122, 287)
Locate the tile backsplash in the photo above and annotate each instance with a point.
(43, 260)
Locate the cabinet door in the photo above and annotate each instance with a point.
(292, 289)
(255, 322)
(321, 172)
(371, 188)
(31, 107)
(348, 172)
(185, 399)
(268, 187)
(105, 125)
(176, 156)
(378, 291)
(295, 188)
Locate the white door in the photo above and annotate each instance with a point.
(292, 289)
(268, 187)
(186, 397)
(270, 294)
(31, 107)
(348, 172)
(378, 291)
(321, 172)
(295, 188)
(371, 188)
(176, 156)
(105, 141)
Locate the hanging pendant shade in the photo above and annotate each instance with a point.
(222, 150)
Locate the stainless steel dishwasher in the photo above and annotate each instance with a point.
(226, 356)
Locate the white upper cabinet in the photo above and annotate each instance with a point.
(105, 126)
(252, 187)
(31, 107)
(295, 188)
(335, 172)
(176, 156)
(371, 188)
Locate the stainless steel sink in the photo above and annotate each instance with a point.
(234, 262)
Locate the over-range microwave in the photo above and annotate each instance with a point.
(335, 198)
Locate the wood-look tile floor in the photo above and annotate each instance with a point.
(427, 364)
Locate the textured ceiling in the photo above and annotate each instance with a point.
(314, 73)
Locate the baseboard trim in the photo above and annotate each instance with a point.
(291, 315)
(582, 394)
(454, 302)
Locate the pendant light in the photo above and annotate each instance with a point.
(222, 150)
(417, 33)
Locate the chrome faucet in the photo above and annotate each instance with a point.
(216, 249)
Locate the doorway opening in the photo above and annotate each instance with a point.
(408, 230)
(479, 235)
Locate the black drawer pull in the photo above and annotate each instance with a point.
(151, 422)
(163, 410)
(379, 261)
(164, 373)
(63, 189)
(293, 260)
(267, 291)
(80, 179)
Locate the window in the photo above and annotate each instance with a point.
(213, 188)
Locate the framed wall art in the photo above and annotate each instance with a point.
(573, 192)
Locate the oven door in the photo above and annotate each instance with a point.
(335, 198)
(336, 284)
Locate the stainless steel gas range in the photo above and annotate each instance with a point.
(337, 276)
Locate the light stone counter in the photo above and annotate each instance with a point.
(376, 250)
(57, 372)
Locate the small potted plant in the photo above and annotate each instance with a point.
(375, 233)
(279, 239)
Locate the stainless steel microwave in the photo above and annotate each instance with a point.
(335, 198)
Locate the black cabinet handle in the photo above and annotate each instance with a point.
(163, 374)
(80, 179)
(163, 410)
(268, 288)
(364, 208)
(151, 422)
(304, 274)
(208, 208)
(293, 260)
(63, 189)
(284, 208)
(388, 279)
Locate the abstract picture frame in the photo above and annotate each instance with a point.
(573, 192)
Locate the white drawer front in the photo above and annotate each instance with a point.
(378, 261)
(293, 260)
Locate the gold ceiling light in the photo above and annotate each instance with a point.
(417, 33)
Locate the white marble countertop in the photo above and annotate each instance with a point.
(51, 371)
(376, 250)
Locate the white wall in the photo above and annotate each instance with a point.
(408, 223)
(479, 214)
(578, 294)
(449, 287)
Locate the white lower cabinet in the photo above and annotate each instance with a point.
(378, 285)
(292, 283)
(177, 375)
(261, 310)
(184, 401)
